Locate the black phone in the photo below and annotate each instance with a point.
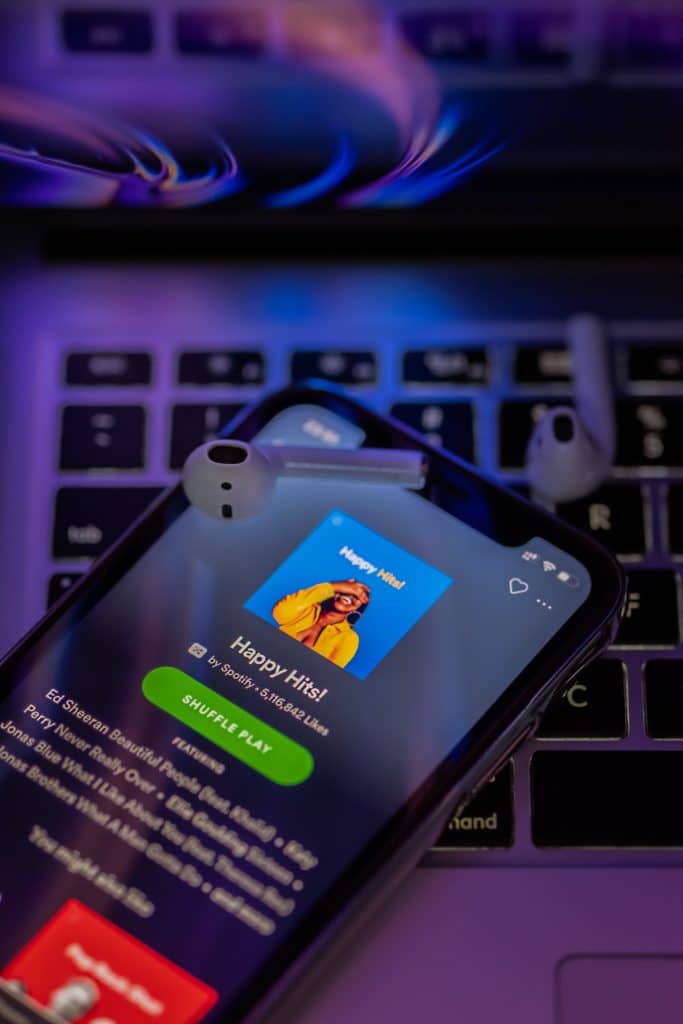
(231, 738)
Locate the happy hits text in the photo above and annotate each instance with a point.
(362, 565)
(297, 680)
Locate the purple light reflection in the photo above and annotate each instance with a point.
(412, 183)
(53, 153)
(115, 165)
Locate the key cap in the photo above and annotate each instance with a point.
(354, 32)
(646, 40)
(614, 515)
(89, 519)
(340, 367)
(107, 31)
(97, 369)
(487, 821)
(543, 364)
(193, 425)
(231, 33)
(59, 584)
(103, 437)
(543, 40)
(446, 424)
(651, 618)
(516, 423)
(664, 699)
(675, 518)
(593, 706)
(613, 798)
(655, 364)
(650, 432)
(446, 366)
(463, 36)
(221, 367)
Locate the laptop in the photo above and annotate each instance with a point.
(408, 200)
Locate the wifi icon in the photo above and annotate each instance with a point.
(549, 567)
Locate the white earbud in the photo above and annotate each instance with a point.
(233, 480)
(571, 451)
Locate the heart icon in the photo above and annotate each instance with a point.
(518, 586)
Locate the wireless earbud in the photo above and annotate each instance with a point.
(233, 480)
(571, 451)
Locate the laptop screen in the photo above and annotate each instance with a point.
(470, 109)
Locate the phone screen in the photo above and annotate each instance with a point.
(188, 767)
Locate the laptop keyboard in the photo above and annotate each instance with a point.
(615, 735)
(478, 38)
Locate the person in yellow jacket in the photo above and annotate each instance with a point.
(322, 617)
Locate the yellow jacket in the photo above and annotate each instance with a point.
(298, 612)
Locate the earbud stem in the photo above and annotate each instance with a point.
(593, 382)
(571, 451)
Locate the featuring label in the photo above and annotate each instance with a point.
(243, 735)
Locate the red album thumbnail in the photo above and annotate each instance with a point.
(81, 968)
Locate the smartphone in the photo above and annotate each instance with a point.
(201, 788)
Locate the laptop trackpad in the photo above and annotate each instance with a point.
(627, 989)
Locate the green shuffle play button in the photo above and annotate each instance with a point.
(243, 735)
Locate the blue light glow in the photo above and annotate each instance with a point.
(337, 172)
(425, 187)
(411, 183)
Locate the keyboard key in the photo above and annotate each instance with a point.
(543, 364)
(487, 821)
(517, 421)
(614, 515)
(461, 37)
(613, 798)
(59, 584)
(650, 432)
(446, 424)
(221, 367)
(106, 31)
(312, 30)
(89, 519)
(655, 364)
(675, 518)
(232, 33)
(543, 40)
(647, 40)
(446, 366)
(664, 699)
(651, 618)
(103, 437)
(193, 425)
(97, 369)
(593, 707)
(339, 367)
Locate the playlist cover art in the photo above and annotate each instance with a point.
(348, 593)
(81, 968)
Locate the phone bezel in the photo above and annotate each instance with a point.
(481, 503)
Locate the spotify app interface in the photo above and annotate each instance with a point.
(186, 770)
